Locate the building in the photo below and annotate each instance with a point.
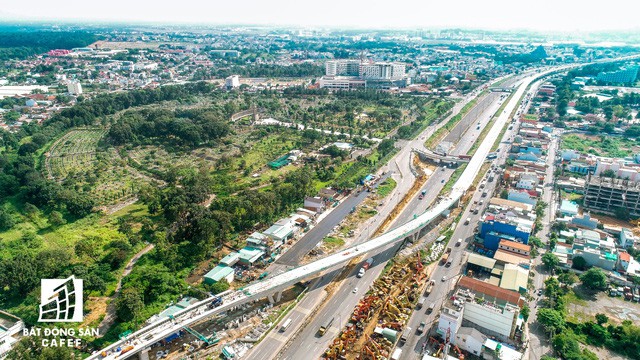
(219, 273)
(618, 167)
(608, 195)
(522, 196)
(342, 68)
(515, 247)
(492, 308)
(280, 231)
(232, 82)
(249, 256)
(10, 328)
(314, 204)
(74, 88)
(341, 83)
(514, 278)
(626, 75)
(470, 340)
(382, 71)
(584, 222)
(493, 230)
(568, 208)
(627, 238)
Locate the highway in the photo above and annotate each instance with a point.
(200, 311)
(413, 347)
(399, 166)
(307, 344)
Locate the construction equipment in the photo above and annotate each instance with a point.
(209, 341)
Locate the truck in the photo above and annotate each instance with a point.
(396, 354)
(365, 267)
(323, 328)
(430, 308)
(628, 295)
(405, 335)
(445, 257)
(429, 287)
(421, 303)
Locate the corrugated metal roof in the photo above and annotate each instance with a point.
(482, 261)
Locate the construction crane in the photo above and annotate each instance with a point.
(209, 341)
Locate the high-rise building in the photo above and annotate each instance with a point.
(610, 195)
(342, 68)
(74, 87)
(626, 75)
(382, 71)
(232, 82)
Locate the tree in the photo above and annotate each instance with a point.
(129, 304)
(56, 219)
(219, 287)
(550, 260)
(601, 319)
(504, 194)
(525, 312)
(579, 263)
(6, 220)
(551, 319)
(594, 279)
(568, 278)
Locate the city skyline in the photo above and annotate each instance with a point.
(492, 15)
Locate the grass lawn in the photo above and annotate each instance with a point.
(610, 146)
(386, 187)
(331, 242)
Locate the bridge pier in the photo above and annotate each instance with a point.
(278, 297)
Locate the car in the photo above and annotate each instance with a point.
(355, 290)
(442, 181)
(444, 278)
(539, 292)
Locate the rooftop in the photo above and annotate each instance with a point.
(515, 245)
(497, 292)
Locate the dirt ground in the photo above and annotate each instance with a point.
(611, 221)
(587, 305)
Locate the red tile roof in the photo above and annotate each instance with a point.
(479, 286)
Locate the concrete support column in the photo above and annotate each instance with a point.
(279, 296)
(270, 297)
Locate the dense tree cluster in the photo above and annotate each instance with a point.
(21, 44)
(181, 128)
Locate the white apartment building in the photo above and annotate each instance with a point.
(382, 71)
(74, 87)
(342, 68)
(620, 168)
(232, 82)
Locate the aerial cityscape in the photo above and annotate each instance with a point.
(267, 180)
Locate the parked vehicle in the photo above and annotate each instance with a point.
(421, 328)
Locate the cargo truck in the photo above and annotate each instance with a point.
(323, 328)
(365, 267)
(429, 288)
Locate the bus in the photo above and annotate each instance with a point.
(285, 326)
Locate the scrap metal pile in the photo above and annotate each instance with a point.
(380, 316)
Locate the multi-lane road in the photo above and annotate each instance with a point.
(307, 344)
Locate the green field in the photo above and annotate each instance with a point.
(609, 146)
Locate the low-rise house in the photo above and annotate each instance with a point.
(218, 273)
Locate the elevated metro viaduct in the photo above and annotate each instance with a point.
(141, 340)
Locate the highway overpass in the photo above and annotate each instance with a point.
(145, 337)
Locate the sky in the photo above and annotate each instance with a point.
(541, 15)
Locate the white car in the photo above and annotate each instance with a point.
(355, 290)
(444, 278)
